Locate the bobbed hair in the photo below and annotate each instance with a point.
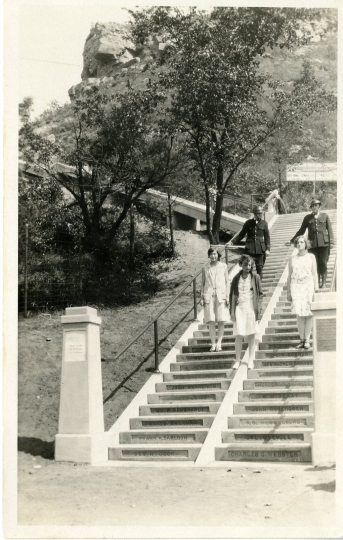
(245, 258)
(307, 242)
(211, 250)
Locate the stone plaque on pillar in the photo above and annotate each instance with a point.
(75, 346)
(326, 334)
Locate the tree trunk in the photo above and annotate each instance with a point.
(132, 237)
(171, 228)
(219, 204)
(208, 215)
(217, 217)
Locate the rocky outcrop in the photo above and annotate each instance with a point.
(109, 55)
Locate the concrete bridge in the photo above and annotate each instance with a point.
(187, 215)
(190, 215)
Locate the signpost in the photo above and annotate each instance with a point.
(312, 171)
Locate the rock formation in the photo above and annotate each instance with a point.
(109, 55)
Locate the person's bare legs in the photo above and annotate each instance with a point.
(251, 345)
(220, 334)
(238, 350)
(212, 326)
(301, 328)
(307, 330)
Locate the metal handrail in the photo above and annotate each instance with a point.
(154, 321)
(333, 286)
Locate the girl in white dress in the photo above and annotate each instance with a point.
(215, 288)
(301, 286)
(245, 306)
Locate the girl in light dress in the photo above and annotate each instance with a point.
(301, 286)
(215, 288)
(245, 306)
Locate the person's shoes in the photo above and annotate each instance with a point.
(301, 344)
(213, 348)
(324, 280)
(306, 344)
(218, 347)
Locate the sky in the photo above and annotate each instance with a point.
(51, 42)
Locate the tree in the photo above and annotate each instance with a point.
(218, 96)
(118, 149)
(25, 109)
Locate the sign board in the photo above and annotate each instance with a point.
(312, 171)
(326, 334)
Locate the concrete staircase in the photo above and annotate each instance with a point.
(273, 417)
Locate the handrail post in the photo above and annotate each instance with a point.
(195, 299)
(226, 255)
(156, 346)
(25, 267)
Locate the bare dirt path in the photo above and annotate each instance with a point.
(60, 494)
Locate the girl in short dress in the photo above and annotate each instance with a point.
(301, 286)
(215, 288)
(245, 306)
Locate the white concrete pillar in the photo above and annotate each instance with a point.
(324, 375)
(81, 435)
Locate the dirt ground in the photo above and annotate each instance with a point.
(60, 494)
(65, 494)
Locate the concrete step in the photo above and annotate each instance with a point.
(282, 316)
(299, 452)
(283, 310)
(271, 421)
(220, 384)
(180, 421)
(284, 353)
(273, 407)
(153, 452)
(264, 435)
(283, 362)
(282, 336)
(277, 330)
(278, 344)
(187, 397)
(199, 375)
(227, 347)
(194, 365)
(206, 333)
(204, 326)
(275, 393)
(221, 355)
(290, 373)
(165, 436)
(179, 408)
(206, 341)
(281, 382)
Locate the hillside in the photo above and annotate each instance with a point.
(111, 59)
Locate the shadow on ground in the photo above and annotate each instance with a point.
(36, 447)
(322, 468)
(329, 486)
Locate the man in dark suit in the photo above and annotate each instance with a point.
(257, 243)
(320, 235)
